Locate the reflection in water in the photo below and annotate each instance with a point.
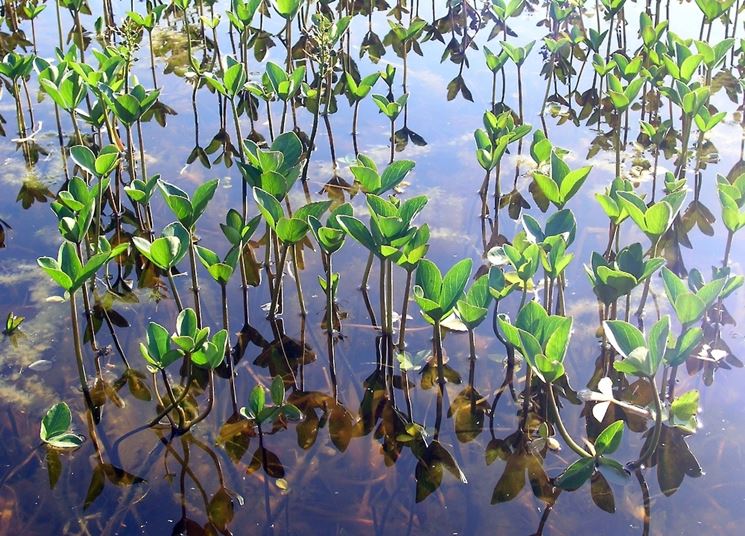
(456, 424)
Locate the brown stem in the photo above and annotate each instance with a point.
(77, 346)
(404, 312)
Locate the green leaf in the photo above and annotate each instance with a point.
(276, 75)
(637, 363)
(221, 272)
(257, 400)
(292, 412)
(657, 219)
(530, 348)
(94, 263)
(70, 263)
(558, 340)
(315, 209)
(84, 158)
(106, 161)
(511, 333)
(56, 421)
(429, 279)
(207, 256)
(289, 145)
(394, 174)
(711, 291)
(163, 251)
(429, 307)
(572, 183)
(549, 188)
(287, 8)
(55, 427)
(689, 308)
(368, 178)
(624, 337)
(202, 195)
(657, 342)
(531, 317)
(277, 390)
(609, 439)
(685, 406)
(576, 474)
(52, 269)
(65, 441)
(268, 206)
(220, 342)
(234, 78)
(684, 346)
(549, 369)
(674, 286)
(621, 282)
(127, 108)
(186, 323)
(291, 230)
(359, 232)
(470, 314)
(157, 341)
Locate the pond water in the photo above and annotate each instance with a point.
(368, 456)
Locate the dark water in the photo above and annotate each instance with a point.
(338, 468)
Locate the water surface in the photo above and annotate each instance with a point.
(343, 469)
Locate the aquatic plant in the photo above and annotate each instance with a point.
(55, 428)
(194, 346)
(437, 297)
(70, 273)
(330, 238)
(656, 101)
(12, 323)
(188, 210)
(289, 230)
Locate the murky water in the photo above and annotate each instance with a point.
(347, 468)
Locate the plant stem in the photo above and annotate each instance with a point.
(389, 297)
(152, 58)
(393, 138)
(404, 312)
(381, 297)
(647, 283)
(366, 274)
(329, 297)
(520, 92)
(195, 280)
(78, 347)
(472, 367)
(560, 425)
(354, 126)
(174, 402)
(727, 249)
(228, 356)
(618, 146)
(314, 128)
(298, 283)
(651, 447)
(87, 307)
(244, 282)
(524, 295)
(174, 290)
(210, 402)
(238, 133)
(407, 393)
(278, 281)
(438, 355)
